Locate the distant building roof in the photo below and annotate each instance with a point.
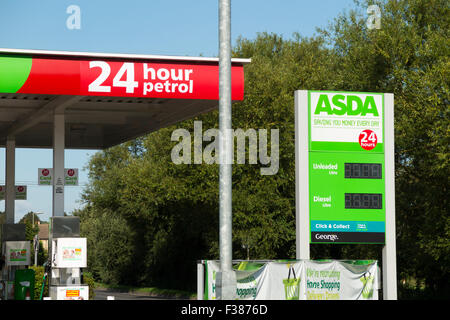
(43, 231)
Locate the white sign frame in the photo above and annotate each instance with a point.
(389, 263)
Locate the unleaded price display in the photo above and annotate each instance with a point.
(363, 171)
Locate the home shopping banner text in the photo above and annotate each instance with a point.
(300, 280)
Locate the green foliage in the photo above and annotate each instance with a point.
(88, 280)
(30, 229)
(148, 220)
(42, 254)
(30, 217)
(111, 253)
(409, 56)
(39, 275)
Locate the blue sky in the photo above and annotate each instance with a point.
(188, 28)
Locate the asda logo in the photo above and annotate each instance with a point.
(351, 105)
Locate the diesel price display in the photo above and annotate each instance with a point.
(363, 201)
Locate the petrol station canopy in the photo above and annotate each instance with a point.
(106, 99)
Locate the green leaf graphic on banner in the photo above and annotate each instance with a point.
(367, 292)
(292, 289)
(292, 285)
(14, 71)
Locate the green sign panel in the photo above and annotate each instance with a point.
(20, 192)
(346, 167)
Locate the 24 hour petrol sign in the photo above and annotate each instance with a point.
(346, 167)
(112, 77)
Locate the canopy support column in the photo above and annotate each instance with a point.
(58, 164)
(10, 192)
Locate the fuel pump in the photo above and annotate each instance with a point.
(68, 257)
(15, 257)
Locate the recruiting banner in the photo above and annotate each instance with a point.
(300, 280)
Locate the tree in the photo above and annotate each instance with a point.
(408, 56)
(30, 229)
(173, 209)
(167, 214)
(30, 217)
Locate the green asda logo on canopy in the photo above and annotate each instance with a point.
(14, 72)
(351, 105)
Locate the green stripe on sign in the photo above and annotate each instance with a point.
(14, 71)
(343, 146)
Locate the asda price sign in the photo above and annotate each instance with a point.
(346, 164)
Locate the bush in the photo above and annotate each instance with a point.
(112, 253)
(89, 281)
(39, 274)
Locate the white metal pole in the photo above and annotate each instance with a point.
(301, 174)
(200, 280)
(10, 192)
(58, 165)
(227, 278)
(36, 248)
(389, 250)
